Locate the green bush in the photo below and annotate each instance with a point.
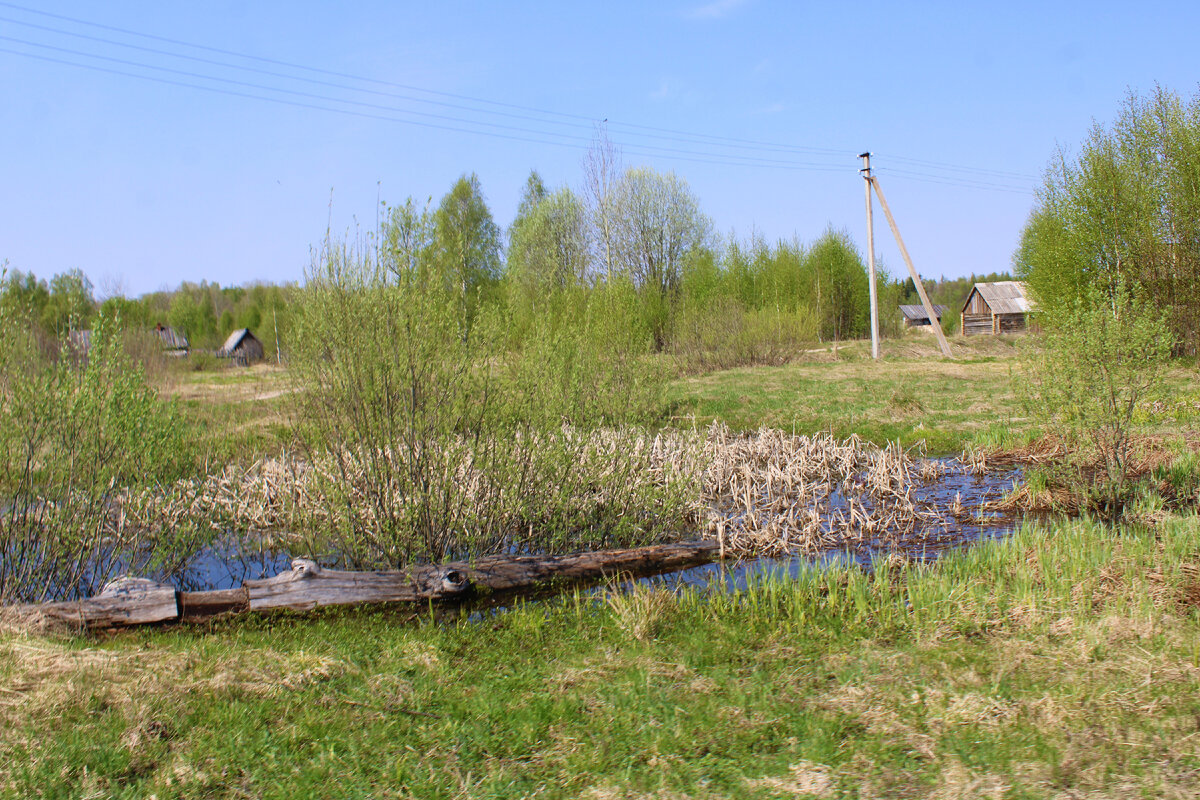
(437, 440)
(77, 429)
(1099, 361)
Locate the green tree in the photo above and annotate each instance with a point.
(835, 271)
(657, 226)
(70, 304)
(408, 240)
(467, 244)
(1126, 208)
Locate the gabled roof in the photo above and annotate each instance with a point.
(171, 339)
(235, 339)
(1003, 297)
(917, 313)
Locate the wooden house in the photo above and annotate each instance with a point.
(916, 316)
(995, 308)
(174, 344)
(242, 348)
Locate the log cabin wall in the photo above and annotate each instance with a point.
(976, 324)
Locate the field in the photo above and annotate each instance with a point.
(1061, 662)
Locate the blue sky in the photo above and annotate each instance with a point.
(145, 184)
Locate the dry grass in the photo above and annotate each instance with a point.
(767, 493)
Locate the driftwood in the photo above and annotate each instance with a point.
(139, 601)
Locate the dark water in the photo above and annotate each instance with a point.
(230, 562)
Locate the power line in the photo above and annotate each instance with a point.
(957, 168)
(408, 87)
(511, 132)
(700, 158)
(964, 183)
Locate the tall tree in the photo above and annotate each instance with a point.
(70, 304)
(467, 243)
(548, 247)
(601, 171)
(408, 238)
(835, 270)
(1126, 208)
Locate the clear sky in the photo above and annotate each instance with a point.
(146, 183)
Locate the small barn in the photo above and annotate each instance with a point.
(995, 308)
(242, 348)
(917, 317)
(174, 344)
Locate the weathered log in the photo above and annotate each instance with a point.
(198, 606)
(137, 601)
(121, 603)
(309, 586)
(500, 573)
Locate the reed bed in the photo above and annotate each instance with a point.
(768, 493)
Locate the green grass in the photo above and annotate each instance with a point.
(1064, 661)
(238, 413)
(944, 403)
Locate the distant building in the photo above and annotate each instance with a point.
(242, 348)
(996, 308)
(916, 316)
(174, 344)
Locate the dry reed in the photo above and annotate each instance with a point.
(764, 494)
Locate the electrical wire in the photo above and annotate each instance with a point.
(943, 173)
(369, 115)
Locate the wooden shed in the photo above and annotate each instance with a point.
(916, 316)
(996, 308)
(242, 347)
(174, 344)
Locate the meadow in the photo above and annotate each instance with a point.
(1060, 661)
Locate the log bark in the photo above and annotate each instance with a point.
(199, 606)
(501, 573)
(121, 603)
(309, 586)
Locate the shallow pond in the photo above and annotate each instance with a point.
(231, 562)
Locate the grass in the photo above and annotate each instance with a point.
(1062, 662)
(944, 403)
(239, 413)
(910, 395)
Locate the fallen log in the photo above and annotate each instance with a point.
(309, 586)
(139, 601)
(121, 603)
(500, 573)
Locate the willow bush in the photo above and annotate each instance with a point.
(77, 429)
(441, 439)
(1099, 362)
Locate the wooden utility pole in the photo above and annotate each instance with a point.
(912, 271)
(866, 173)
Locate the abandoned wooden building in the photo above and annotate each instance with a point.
(917, 317)
(174, 343)
(996, 308)
(242, 348)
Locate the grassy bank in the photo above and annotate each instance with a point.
(1061, 662)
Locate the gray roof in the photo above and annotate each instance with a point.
(171, 339)
(1004, 297)
(917, 313)
(235, 341)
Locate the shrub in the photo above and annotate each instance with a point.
(1100, 360)
(76, 430)
(438, 440)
